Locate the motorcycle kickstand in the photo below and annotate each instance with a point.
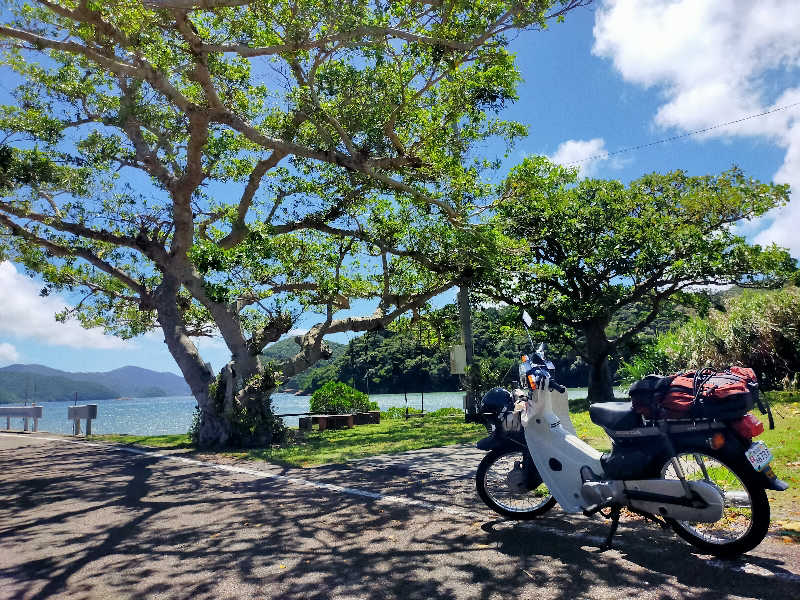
(616, 511)
(650, 517)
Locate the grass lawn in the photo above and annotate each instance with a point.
(784, 442)
(435, 430)
(336, 446)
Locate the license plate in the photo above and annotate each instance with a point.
(759, 456)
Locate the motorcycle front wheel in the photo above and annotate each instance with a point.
(511, 486)
(745, 512)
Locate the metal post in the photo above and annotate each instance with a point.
(88, 427)
(466, 338)
(8, 423)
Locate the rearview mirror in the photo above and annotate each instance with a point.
(526, 318)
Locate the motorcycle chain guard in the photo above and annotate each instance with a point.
(706, 507)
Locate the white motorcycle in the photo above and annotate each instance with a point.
(703, 477)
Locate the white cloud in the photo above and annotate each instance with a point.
(26, 315)
(8, 354)
(716, 62)
(573, 153)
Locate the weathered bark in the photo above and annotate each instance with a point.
(210, 431)
(601, 385)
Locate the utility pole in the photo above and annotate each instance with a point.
(466, 338)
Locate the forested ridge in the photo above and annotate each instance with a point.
(38, 383)
(413, 355)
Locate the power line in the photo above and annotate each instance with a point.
(681, 136)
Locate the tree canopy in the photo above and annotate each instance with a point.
(219, 167)
(588, 249)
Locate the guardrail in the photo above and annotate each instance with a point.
(85, 411)
(26, 412)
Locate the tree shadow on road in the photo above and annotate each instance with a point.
(79, 522)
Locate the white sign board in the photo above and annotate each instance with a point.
(458, 359)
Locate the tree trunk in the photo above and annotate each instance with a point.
(601, 386)
(211, 430)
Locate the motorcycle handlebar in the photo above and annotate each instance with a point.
(557, 387)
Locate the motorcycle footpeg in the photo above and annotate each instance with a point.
(596, 508)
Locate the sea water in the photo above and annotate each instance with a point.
(156, 416)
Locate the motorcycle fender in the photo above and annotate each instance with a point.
(770, 481)
(675, 510)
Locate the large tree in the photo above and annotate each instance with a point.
(224, 165)
(590, 249)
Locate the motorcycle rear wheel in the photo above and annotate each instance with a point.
(494, 489)
(745, 517)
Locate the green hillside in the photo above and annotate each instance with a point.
(16, 387)
(42, 384)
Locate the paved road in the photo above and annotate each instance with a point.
(93, 521)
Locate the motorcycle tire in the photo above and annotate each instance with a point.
(745, 500)
(497, 494)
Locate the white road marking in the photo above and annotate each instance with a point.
(745, 568)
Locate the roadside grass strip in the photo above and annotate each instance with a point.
(740, 566)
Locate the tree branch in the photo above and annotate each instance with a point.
(311, 342)
(83, 253)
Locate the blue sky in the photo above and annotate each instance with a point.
(614, 75)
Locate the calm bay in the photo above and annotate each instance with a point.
(155, 416)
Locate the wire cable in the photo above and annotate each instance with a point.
(681, 136)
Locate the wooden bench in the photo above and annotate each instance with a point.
(372, 417)
(347, 421)
(26, 412)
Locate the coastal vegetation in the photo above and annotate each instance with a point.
(287, 160)
(758, 329)
(359, 174)
(588, 249)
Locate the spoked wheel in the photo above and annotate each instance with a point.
(511, 487)
(745, 513)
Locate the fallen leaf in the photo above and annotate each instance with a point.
(482, 545)
(282, 566)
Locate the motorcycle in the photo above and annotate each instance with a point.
(704, 478)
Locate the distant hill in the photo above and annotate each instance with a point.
(41, 383)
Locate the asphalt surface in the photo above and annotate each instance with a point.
(82, 520)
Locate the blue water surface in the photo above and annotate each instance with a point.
(156, 416)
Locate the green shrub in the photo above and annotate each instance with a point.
(398, 412)
(447, 412)
(336, 398)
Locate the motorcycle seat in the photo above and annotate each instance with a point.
(615, 416)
